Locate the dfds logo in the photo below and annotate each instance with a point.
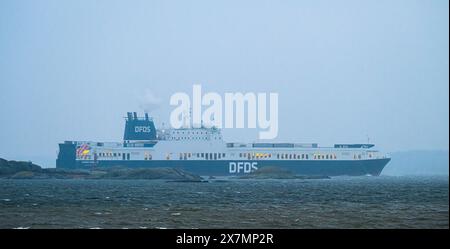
(246, 167)
(139, 129)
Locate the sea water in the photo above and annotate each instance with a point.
(340, 202)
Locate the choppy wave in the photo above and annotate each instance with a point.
(341, 202)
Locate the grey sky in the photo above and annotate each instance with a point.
(70, 70)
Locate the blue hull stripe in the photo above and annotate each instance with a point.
(222, 167)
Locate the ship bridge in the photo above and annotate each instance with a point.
(190, 134)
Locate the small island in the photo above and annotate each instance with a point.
(272, 172)
(29, 170)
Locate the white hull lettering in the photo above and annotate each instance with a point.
(242, 167)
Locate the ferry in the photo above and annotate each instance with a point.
(203, 151)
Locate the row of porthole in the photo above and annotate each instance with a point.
(327, 156)
(191, 138)
(207, 156)
(268, 155)
(109, 154)
(193, 133)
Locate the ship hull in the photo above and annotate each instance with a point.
(231, 167)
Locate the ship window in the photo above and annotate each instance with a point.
(223, 154)
(306, 156)
(327, 157)
(115, 154)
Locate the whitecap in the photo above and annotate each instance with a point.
(21, 228)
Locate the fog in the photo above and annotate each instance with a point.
(345, 71)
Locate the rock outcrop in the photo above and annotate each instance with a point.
(272, 172)
(28, 170)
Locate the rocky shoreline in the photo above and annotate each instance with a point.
(272, 172)
(29, 170)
